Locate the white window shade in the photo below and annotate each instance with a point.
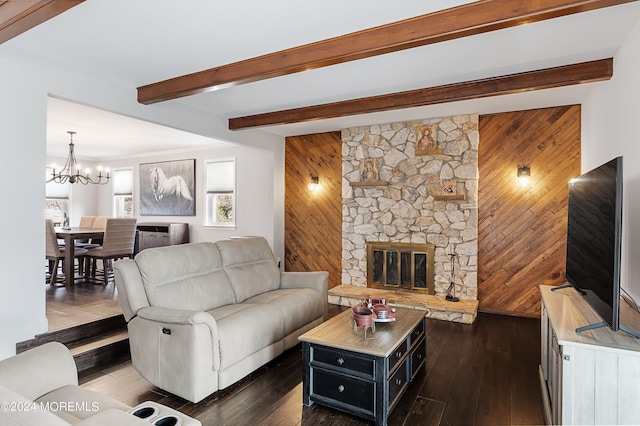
(54, 190)
(123, 182)
(221, 177)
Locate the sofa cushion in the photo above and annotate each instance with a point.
(246, 328)
(186, 276)
(18, 410)
(298, 306)
(78, 403)
(250, 266)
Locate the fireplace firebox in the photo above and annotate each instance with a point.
(405, 266)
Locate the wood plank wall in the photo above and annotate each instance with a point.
(313, 220)
(522, 230)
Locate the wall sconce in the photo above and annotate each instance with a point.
(314, 184)
(524, 174)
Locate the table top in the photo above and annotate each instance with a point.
(60, 232)
(338, 333)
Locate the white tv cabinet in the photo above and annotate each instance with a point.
(592, 377)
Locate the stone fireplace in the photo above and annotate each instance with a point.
(411, 183)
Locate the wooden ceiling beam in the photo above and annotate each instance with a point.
(585, 72)
(457, 22)
(17, 17)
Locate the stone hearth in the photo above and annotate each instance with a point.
(436, 307)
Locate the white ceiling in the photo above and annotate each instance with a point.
(145, 41)
(104, 135)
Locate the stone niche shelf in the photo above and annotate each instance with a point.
(450, 197)
(376, 183)
(437, 307)
(420, 152)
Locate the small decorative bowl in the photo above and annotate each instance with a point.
(363, 316)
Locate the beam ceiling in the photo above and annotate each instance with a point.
(457, 22)
(18, 16)
(586, 72)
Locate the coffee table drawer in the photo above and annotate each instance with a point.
(398, 354)
(417, 333)
(345, 390)
(397, 382)
(418, 356)
(343, 361)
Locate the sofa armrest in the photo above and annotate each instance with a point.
(39, 371)
(178, 316)
(131, 291)
(318, 280)
(184, 317)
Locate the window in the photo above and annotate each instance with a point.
(56, 200)
(123, 193)
(220, 198)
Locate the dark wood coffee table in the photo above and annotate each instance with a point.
(365, 377)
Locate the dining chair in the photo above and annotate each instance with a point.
(118, 242)
(99, 222)
(87, 221)
(54, 254)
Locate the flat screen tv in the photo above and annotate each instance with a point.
(594, 240)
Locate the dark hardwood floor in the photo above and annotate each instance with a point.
(480, 374)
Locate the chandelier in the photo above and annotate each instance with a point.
(71, 171)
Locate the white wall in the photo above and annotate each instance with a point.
(254, 192)
(23, 111)
(25, 82)
(610, 127)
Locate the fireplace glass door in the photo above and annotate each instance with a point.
(401, 266)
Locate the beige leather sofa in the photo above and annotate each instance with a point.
(40, 387)
(202, 316)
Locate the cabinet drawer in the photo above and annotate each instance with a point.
(418, 357)
(343, 361)
(152, 239)
(417, 333)
(397, 382)
(343, 389)
(398, 353)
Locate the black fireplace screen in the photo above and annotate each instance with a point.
(400, 265)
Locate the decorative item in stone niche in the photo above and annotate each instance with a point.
(449, 187)
(369, 170)
(445, 189)
(369, 174)
(426, 143)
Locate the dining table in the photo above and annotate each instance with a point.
(70, 235)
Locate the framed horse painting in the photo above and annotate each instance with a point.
(168, 188)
